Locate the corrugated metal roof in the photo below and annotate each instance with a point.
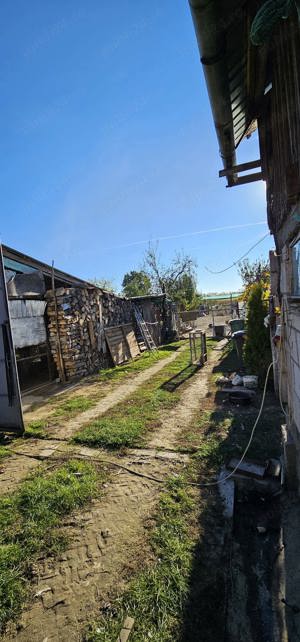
(232, 69)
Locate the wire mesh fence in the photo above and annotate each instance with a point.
(198, 349)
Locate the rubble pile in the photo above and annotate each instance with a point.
(82, 316)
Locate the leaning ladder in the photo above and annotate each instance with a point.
(146, 335)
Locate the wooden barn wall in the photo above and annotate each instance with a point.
(152, 313)
(280, 125)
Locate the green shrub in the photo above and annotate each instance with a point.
(257, 349)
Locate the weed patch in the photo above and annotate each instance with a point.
(72, 407)
(4, 452)
(29, 526)
(36, 430)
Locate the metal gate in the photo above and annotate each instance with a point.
(198, 349)
(11, 418)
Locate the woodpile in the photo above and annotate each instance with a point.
(77, 320)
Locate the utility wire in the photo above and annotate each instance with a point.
(238, 260)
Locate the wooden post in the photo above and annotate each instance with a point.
(213, 320)
(204, 348)
(61, 369)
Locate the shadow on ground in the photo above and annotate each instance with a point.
(181, 377)
(236, 584)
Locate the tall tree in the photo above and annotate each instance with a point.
(177, 279)
(136, 283)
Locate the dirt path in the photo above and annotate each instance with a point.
(17, 467)
(179, 417)
(121, 392)
(106, 539)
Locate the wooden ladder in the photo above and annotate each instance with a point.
(146, 335)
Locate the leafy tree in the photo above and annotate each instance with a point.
(136, 284)
(256, 272)
(257, 349)
(184, 292)
(177, 279)
(253, 272)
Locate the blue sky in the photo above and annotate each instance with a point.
(107, 141)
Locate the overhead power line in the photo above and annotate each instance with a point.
(238, 260)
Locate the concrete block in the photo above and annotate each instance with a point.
(126, 630)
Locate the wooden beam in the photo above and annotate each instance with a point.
(250, 178)
(240, 168)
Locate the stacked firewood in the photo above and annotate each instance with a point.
(77, 319)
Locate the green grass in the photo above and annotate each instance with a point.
(128, 423)
(36, 429)
(4, 452)
(71, 407)
(143, 362)
(74, 406)
(156, 596)
(110, 433)
(30, 521)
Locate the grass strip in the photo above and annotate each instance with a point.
(128, 423)
(147, 359)
(65, 409)
(156, 596)
(30, 526)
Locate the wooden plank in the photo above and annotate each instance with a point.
(248, 467)
(131, 340)
(243, 167)
(117, 344)
(250, 178)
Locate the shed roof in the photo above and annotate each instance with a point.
(233, 69)
(19, 262)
